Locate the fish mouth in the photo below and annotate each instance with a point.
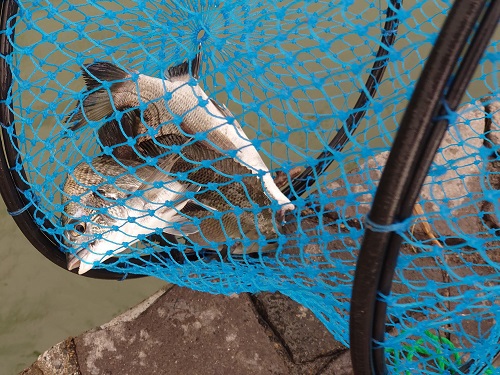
(94, 253)
(74, 260)
(85, 258)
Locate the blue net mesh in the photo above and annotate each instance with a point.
(122, 167)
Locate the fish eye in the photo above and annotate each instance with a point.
(79, 229)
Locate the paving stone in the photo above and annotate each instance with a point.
(304, 336)
(310, 368)
(59, 360)
(184, 332)
(339, 366)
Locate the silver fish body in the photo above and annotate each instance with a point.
(227, 202)
(231, 202)
(175, 105)
(107, 208)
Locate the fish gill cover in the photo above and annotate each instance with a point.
(156, 137)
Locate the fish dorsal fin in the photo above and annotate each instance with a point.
(181, 71)
(102, 71)
(97, 104)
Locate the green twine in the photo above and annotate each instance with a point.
(444, 362)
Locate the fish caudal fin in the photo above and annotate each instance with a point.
(181, 71)
(97, 105)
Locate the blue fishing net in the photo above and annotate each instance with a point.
(289, 73)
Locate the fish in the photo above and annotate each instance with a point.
(109, 204)
(231, 203)
(227, 202)
(148, 106)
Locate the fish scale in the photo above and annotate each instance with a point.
(254, 221)
(118, 213)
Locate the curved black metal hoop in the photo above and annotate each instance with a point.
(465, 34)
(325, 159)
(13, 186)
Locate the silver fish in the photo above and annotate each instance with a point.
(208, 217)
(108, 208)
(231, 202)
(174, 105)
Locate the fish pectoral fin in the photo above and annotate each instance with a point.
(175, 193)
(161, 144)
(161, 173)
(206, 207)
(181, 72)
(185, 226)
(192, 207)
(113, 132)
(166, 163)
(151, 148)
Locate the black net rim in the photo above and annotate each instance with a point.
(12, 183)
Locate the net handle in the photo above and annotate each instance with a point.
(369, 91)
(465, 34)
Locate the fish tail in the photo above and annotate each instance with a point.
(97, 104)
(182, 70)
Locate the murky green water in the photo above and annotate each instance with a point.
(42, 304)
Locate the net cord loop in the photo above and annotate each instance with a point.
(12, 180)
(400, 227)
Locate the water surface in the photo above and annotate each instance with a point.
(42, 304)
